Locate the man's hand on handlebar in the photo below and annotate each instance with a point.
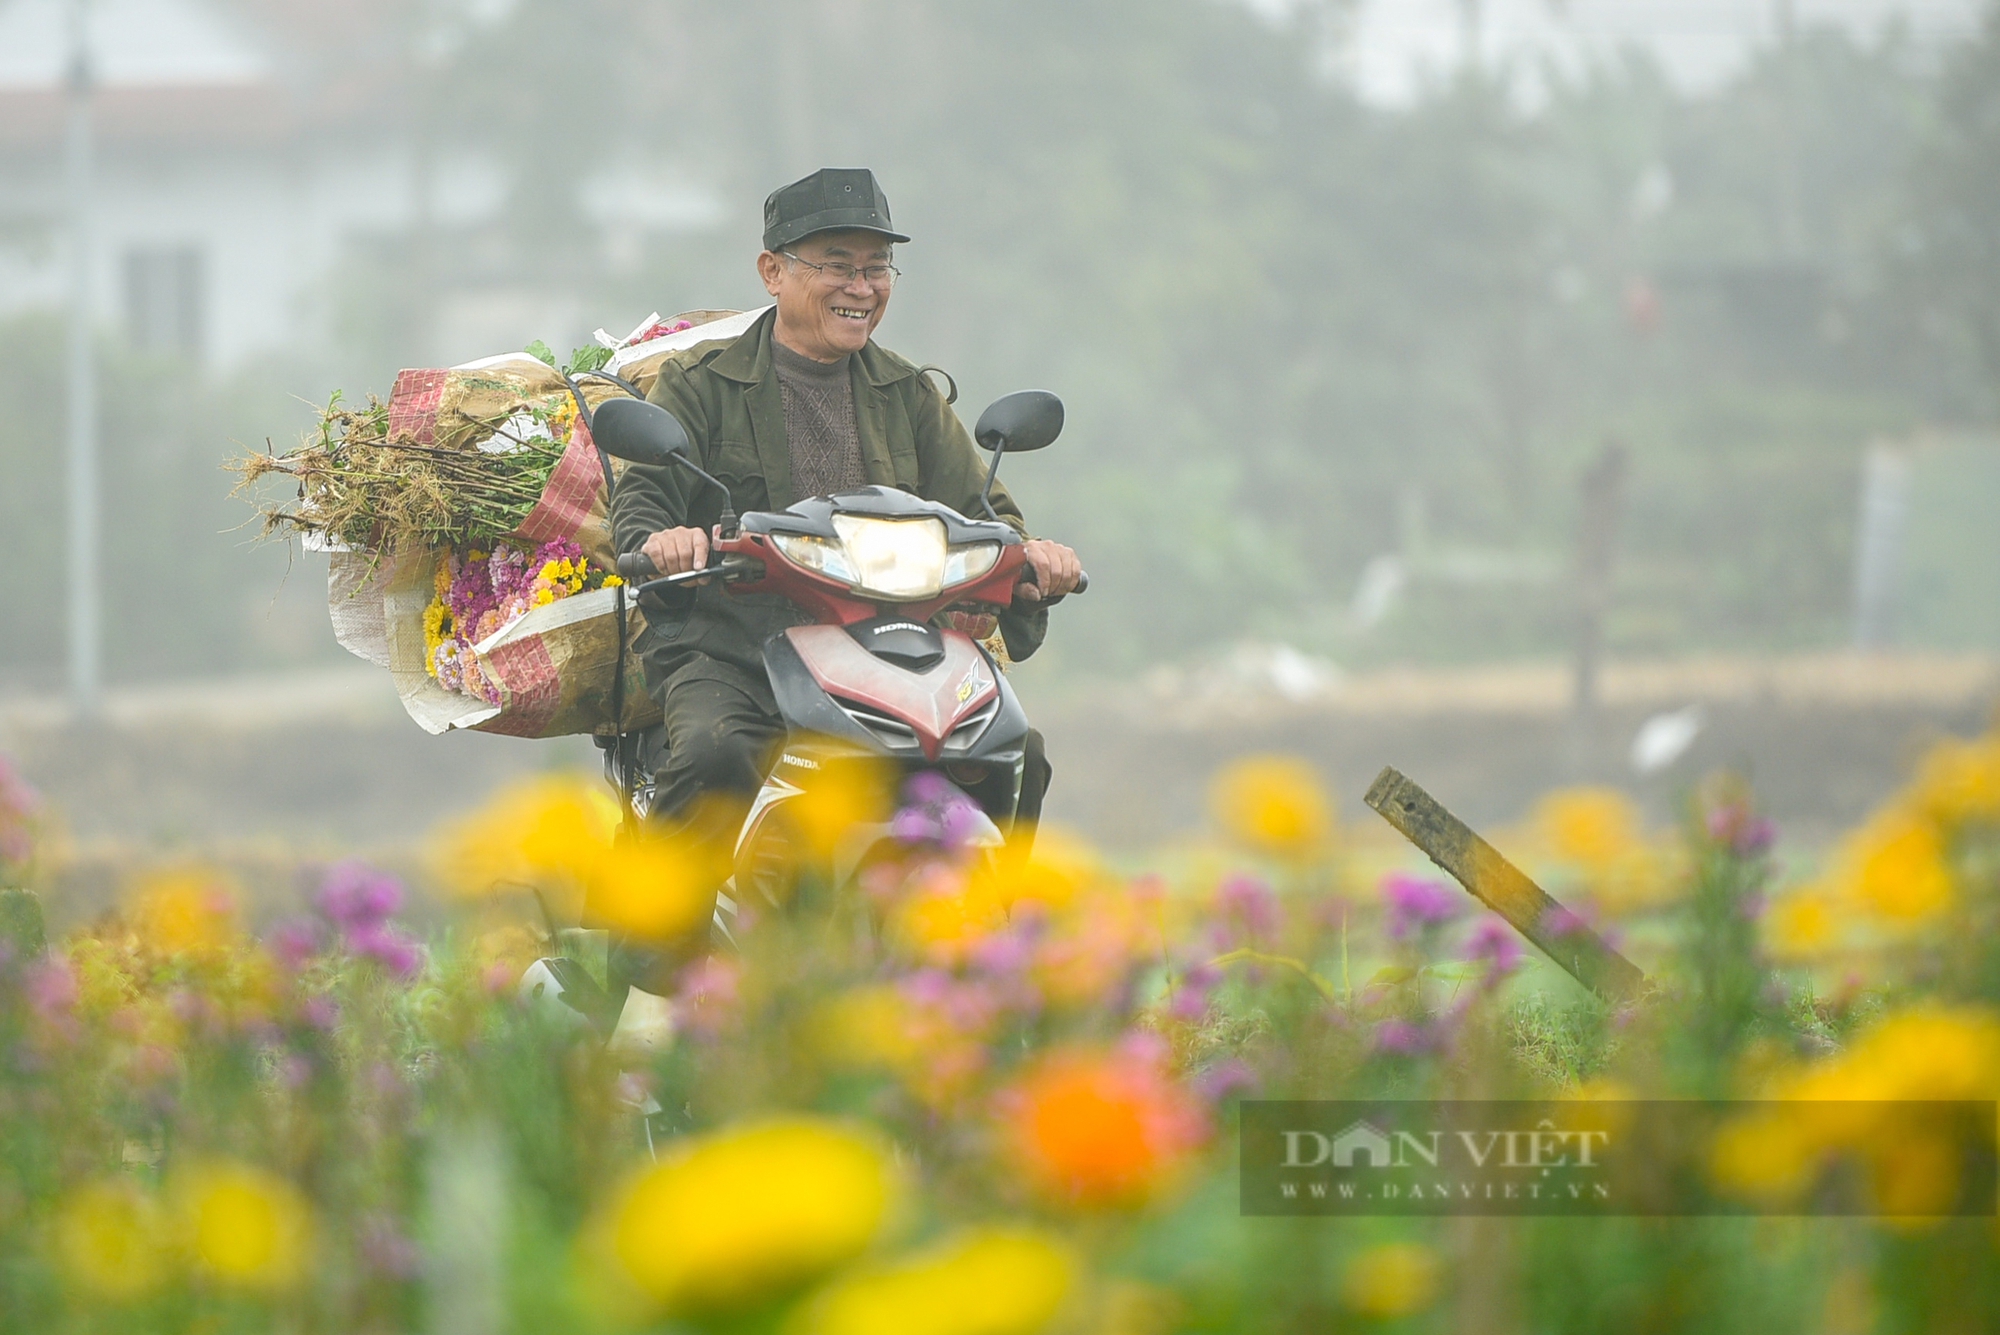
(1057, 570)
(674, 551)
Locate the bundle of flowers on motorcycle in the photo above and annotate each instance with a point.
(469, 530)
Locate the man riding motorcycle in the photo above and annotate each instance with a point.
(804, 403)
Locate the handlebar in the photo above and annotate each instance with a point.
(727, 568)
(638, 568)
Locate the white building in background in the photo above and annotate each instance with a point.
(244, 148)
(225, 171)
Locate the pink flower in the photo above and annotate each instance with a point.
(1248, 904)
(19, 805)
(353, 894)
(1224, 1078)
(935, 812)
(1416, 904)
(51, 987)
(1402, 1038)
(1144, 1047)
(1495, 942)
(295, 943)
(396, 953)
(1739, 829)
(320, 1012)
(706, 998)
(1191, 995)
(1006, 954)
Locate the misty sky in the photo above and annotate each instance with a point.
(1398, 43)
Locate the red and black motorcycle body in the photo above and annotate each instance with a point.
(878, 678)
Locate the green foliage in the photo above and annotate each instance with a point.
(1294, 332)
(186, 589)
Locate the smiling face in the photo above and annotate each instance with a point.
(817, 316)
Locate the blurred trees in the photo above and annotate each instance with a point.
(1294, 332)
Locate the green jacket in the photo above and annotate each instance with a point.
(726, 395)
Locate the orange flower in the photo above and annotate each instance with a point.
(1100, 1129)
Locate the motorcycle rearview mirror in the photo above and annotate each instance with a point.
(1027, 419)
(638, 432)
(645, 433)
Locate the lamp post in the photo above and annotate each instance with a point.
(85, 614)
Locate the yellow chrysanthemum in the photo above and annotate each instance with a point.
(1593, 828)
(1275, 805)
(1801, 925)
(1896, 865)
(649, 885)
(1766, 1156)
(110, 1239)
(552, 827)
(1052, 878)
(838, 796)
(1960, 781)
(948, 912)
(1868, 1103)
(987, 1281)
(187, 911)
(878, 1028)
(1392, 1280)
(245, 1227)
(737, 1219)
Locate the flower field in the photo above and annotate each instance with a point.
(987, 1097)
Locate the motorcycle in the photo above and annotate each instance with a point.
(873, 678)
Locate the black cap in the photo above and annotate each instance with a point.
(831, 197)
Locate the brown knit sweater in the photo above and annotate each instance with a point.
(819, 422)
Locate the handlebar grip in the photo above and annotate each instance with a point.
(1082, 580)
(636, 565)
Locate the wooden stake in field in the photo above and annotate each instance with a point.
(1503, 887)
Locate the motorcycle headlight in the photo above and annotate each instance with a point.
(896, 560)
(969, 561)
(825, 555)
(901, 559)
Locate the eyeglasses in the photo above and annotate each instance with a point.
(876, 275)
